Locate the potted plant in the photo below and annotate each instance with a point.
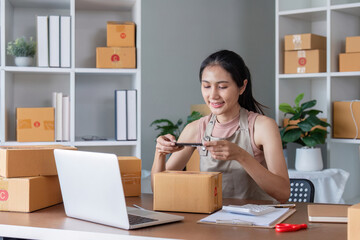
(168, 127)
(23, 50)
(306, 129)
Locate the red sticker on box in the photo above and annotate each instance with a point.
(115, 58)
(36, 124)
(123, 35)
(215, 192)
(302, 61)
(4, 195)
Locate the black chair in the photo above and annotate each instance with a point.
(301, 190)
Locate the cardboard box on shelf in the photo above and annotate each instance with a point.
(305, 41)
(29, 194)
(352, 44)
(116, 57)
(353, 230)
(120, 34)
(35, 124)
(343, 123)
(28, 161)
(130, 169)
(349, 62)
(307, 61)
(185, 191)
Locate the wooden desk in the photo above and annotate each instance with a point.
(52, 223)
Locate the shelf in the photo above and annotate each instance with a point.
(106, 143)
(353, 9)
(37, 70)
(106, 5)
(305, 14)
(61, 4)
(305, 75)
(345, 74)
(345, 141)
(106, 71)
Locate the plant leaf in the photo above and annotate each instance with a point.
(292, 135)
(193, 116)
(298, 99)
(312, 112)
(286, 108)
(161, 121)
(310, 141)
(308, 104)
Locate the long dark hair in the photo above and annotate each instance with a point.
(235, 65)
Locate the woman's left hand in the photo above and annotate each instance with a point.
(224, 150)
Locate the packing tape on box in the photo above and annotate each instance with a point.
(4, 195)
(131, 178)
(301, 62)
(297, 41)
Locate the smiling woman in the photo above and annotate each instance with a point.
(238, 139)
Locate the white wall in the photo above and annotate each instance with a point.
(178, 34)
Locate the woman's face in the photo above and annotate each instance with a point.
(220, 92)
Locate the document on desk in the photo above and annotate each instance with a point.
(266, 221)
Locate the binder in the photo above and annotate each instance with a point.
(42, 41)
(131, 114)
(66, 118)
(58, 114)
(54, 41)
(65, 41)
(120, 115)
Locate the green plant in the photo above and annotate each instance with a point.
(168, 127)
(302, 122)
(22, 47)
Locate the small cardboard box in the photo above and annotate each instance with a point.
(120, 34)
(29, 194)
(35, 124)
(349, 62)
(343, 123)
(116, 57)
(305, 41)
(130, 169)
(353, 230)
(184, 191)
(28, 161)
(352, 44)
(308, 61)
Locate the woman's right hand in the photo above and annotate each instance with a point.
(166, 144)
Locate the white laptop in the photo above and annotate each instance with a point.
(92, 190)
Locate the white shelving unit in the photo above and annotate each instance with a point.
(91, 90)
(335, 19)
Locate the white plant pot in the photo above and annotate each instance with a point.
(308, 159)
(24, 61)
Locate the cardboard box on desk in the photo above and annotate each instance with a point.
(353, 230)
(349, 62)
(183, 191)
(343, 123)
(120, 34)
(306, 61)
(304, 41)
(28, 161)
(35, 125)
(130, 169)
(29, 194)
(116, 57)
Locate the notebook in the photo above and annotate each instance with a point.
(328, 213)
(92, 190)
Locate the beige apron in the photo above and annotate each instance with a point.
(236, 181)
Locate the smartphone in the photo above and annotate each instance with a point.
(188, 144)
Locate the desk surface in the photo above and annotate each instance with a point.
(52, 223)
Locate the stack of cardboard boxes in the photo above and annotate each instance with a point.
(121, 50)
(350, 61)
(29, 178)
(304, 53)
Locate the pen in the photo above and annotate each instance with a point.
(138, 207)
(234, 222)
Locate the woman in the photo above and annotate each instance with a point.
(238, 139)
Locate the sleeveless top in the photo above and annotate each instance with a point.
(236, 182)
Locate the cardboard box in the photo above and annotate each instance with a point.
(349, 62)
(28, 161)
(115, 57)
(120, 34)
(184, 191)
(35, 125)
(308, 61)
(130, 169)
(343, 124)
(305, 41)
(29, 194)
(352, 44)
(353, 230)
(287, 120)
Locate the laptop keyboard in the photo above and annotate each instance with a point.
(133, 219)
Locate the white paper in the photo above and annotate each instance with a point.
(262, 220)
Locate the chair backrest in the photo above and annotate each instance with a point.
(301, 190)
